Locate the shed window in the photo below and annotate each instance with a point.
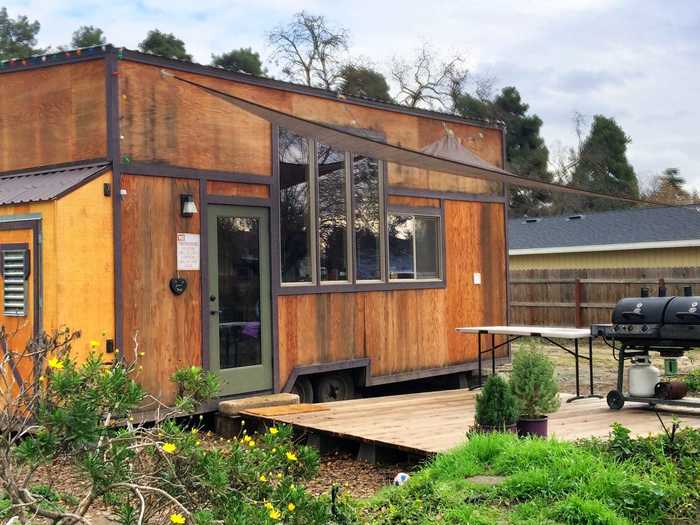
(414, 247)
(366, 192)
(295, 208)
(332, 214)
(15, 271)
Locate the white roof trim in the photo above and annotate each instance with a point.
(607, 247)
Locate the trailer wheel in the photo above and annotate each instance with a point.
(615, 400)
(304, 389)
(334, 387)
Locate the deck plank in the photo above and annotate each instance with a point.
(432, 422)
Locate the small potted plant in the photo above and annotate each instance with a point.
(534, 385)
(496, 406)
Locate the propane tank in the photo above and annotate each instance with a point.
(643, 377)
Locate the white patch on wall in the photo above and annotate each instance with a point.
(187, 251)
(477, 278)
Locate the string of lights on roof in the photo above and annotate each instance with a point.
(57, 56)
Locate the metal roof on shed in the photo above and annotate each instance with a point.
(38, 186)
(620, 227)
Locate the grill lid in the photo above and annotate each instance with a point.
(683, 310)
(641, 310)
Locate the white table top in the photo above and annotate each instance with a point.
(542, 331)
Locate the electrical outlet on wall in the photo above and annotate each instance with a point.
(477, 278)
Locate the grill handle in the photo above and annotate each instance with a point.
(687, 316)
(632, 315)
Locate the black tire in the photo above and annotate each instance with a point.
(615, 400)
(304, 389)
(334, 387)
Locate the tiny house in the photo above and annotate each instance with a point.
(159, 218)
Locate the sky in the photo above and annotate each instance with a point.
(635, 60)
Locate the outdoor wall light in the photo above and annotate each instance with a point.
(187, 205)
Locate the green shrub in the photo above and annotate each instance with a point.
(194, 386)
(534, 383)
(693, 380)
(495, 404)
(575, 510)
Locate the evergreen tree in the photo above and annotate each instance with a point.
(361, 81)
(164, 44)
(88, 36)
(243, 59)
(603, 166)
(526, 152)
(18, 37)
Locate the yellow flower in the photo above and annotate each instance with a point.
(251, 444)
(274, 449)
(291, 507)
(246, 439)
(94, 344)
(55, 364)
(291, 456)
(42, 378)
(169, 448)
(279, 475)
(197, 443)
(273, 430)
(262, 477)
(269, 505)
(275, 514)
(177, 518)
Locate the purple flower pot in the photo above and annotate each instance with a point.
(532, 427)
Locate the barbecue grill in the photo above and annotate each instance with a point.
(640, 325)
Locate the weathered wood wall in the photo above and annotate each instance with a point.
(548, 297)
(52, 115)
(406, 330)
(238, 189)
(170, 122)
(168, 328)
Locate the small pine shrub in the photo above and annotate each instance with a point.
(534, 384)
(693, 380)
(496, 406)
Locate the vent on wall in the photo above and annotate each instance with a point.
(15, 270)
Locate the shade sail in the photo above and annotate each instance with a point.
(345, 139)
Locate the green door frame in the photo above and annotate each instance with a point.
(244, 379)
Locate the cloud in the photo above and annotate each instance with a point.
(635, 61)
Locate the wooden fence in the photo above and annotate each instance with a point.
(583, 297)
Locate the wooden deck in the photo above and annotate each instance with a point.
(431, 422)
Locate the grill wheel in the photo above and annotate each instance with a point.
(615, 400)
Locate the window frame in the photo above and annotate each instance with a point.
(352, 284)
(419, 211)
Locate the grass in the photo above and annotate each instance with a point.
(544, 482)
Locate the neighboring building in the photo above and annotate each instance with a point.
(140, 208)
(654, 237)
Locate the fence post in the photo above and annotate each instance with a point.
(578, 289)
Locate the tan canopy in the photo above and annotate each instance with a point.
(450, 157)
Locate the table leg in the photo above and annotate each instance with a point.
(478, 359)
(493, 354)
(578, 376)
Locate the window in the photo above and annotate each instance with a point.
(367, 220)
(332, 214)
(334, 229)
(414, 247)
(295, 208)
(15, 271)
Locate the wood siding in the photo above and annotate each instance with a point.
(169, 122)
(420, 202)
(52, 115)
(238, 189)
(651, 258)
(168, 328)
(406, 330)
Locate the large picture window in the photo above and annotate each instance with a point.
(332, 214)
(414, 247)
(295, 208)
(333, 226)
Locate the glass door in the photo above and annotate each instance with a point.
(240, 343)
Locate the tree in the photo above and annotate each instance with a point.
(164, 44)
(362, 81)
(428, 80)
(243, 59)
(526, 152)
(309, 50)
(88, 36)
(18, 37)
(669, 188)
(603, 166)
